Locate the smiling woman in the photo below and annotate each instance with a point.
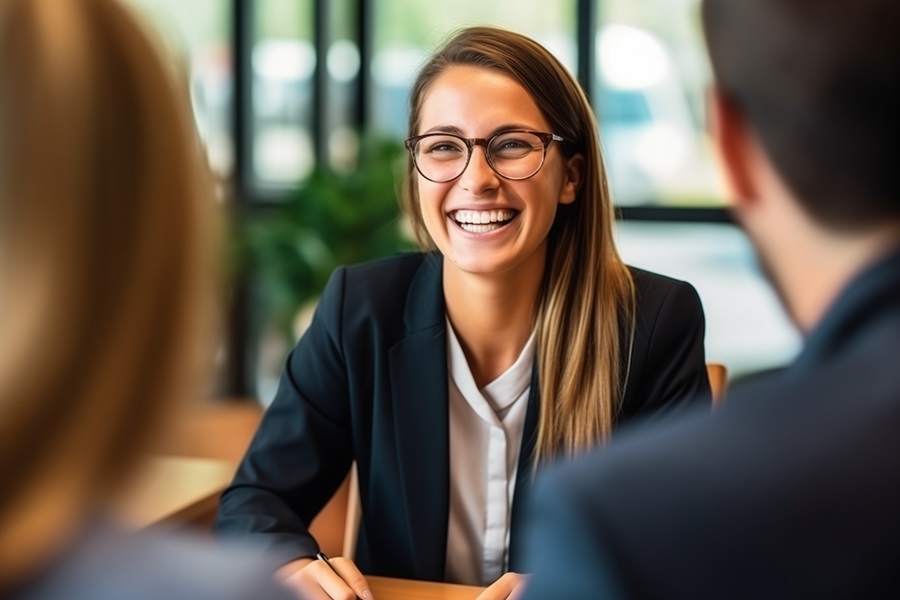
(517, 337)
(479, 102)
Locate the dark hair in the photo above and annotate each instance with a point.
(819, 83)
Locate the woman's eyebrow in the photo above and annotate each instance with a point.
(451, 129)
(445, 129)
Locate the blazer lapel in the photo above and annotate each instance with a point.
(524, 474)
(418, 367)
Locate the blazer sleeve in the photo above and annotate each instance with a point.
(667, 373)
(302, 449)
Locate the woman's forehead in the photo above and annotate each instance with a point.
(476, 101)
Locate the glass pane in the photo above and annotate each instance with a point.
(650, 79)
(283, 63)
(407, 31)
(198, 33)
(343, 69)
(746, 326)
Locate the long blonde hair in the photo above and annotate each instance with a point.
(585, 316)
(104, 261)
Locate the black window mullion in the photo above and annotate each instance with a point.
(585, 20)
(364, 30)
(236, 377)
(675, 214)
(242, 100)
(321, 42)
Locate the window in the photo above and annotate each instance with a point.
(649, 84)
(283, 63)
(648, 90)
(198, 33)
(746, 327)
(407, 31)
(320, 71)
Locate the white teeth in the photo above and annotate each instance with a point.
(483, 216)
(471, 227)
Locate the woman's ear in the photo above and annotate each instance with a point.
(574, 175)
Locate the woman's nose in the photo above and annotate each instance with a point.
(478, 176)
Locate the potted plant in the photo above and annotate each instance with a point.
(289, 250)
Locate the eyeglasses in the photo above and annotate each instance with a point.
(516, 155)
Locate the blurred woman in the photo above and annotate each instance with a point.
(105, 281)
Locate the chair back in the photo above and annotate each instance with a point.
(337, 524)
(718, 381)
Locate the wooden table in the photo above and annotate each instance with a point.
(177, 490)
(174, 490)
(387, 588)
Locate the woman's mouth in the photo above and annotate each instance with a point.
(483, 221)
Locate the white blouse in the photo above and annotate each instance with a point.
(485, 437)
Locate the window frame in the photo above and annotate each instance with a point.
(248, 197)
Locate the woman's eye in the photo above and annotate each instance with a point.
(444, 148)
(512, 147)
(512, 144)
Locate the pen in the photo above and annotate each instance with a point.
(321, 556)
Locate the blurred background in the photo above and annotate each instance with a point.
(302, 106)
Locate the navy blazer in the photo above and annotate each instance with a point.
(789, 490)
(368, 382)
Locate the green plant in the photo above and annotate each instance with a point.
(336, 218)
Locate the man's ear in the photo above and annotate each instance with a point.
(734, 144)
(574, 176)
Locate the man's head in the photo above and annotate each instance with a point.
(817, 82)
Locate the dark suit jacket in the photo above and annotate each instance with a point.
(790, 490)
(368, 382)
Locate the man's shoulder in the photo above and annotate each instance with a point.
(787, 462)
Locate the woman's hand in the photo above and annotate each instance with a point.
(315, 580)
(509, 587)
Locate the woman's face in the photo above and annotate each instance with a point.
(481, 222)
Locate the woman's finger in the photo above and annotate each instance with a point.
(353, 577)
(317, 581)
(509, 587)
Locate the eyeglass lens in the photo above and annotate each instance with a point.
(513, 155)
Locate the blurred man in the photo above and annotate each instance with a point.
(792, 488)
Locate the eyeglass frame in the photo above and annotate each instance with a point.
(546, 139)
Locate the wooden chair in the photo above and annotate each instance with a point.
(353, 515)
(219, 429)
(337, 524)
(718, 381)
